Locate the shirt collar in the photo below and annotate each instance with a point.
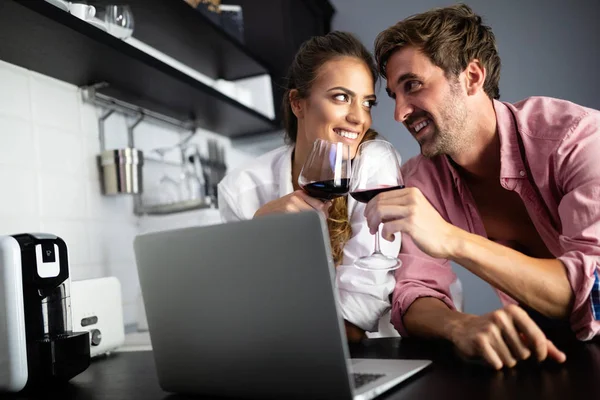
(511, 163)
(455, 175)
(285, 178)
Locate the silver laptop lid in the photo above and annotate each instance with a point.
(245, 309)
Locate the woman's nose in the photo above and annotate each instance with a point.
(355, 115)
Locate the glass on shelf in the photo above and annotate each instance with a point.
(183, 193)
(119, 21)
(191, 184)
(167, 189)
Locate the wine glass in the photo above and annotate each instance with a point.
(168, 188)
(119, 21)
(376, 169)
(191, 184)
(326, 172)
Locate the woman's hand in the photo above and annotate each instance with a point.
(294, 202)
(353, 333)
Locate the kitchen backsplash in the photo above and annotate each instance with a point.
(49, 179)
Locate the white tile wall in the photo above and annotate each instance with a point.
(60, 151)
(13, 225)
(19, 192)
(54, 103)
(14, 96)
(49, 178)
(16, 142)
(62, 196)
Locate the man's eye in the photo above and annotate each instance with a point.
(341, 97)
(391, 94)
(411, 86)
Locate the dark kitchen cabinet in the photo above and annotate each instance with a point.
(38, 36)
(275, 29)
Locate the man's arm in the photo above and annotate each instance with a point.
(542, 284)
(422, 307)
(429, 317)
(501, 338)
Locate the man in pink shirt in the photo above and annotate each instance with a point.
(509, 191)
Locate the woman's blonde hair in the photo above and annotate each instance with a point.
(340, 230)
(303, 71)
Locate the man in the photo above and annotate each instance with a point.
(510, 192)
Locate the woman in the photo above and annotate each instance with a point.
(330, 93)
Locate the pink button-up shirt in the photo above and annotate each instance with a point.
(562, 146)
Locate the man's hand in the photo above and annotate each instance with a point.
(408, 211)
(502, 338)
(292, 203)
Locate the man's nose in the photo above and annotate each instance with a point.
(402, 110)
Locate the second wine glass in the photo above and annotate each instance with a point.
(326, 172)
(376, 169)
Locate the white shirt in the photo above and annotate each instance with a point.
(363, 295)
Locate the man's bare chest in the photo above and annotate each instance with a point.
(506, 220)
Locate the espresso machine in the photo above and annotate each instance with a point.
(37, 344)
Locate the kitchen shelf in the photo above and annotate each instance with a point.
(39, 36)
(175, 28)
(172, 208)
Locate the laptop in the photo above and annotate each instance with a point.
(249, 310)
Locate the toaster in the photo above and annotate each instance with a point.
(97, 308)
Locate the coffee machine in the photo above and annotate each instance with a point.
(37, 344)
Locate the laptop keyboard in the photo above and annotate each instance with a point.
(363, 379)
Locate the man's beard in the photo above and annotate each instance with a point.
(445, 139)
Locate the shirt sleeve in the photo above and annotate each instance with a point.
(419, 276)
(364, 295)
(227, 206)
(579, 210)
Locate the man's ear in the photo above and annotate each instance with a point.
(296, 103)
(475, 74)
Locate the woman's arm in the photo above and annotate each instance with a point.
(353, 333)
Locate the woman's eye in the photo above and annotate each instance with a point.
(411, 86)
(370, 103)
(341, 97)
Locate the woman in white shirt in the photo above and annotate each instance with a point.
(330, 93)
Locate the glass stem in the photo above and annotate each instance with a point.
(377, 250)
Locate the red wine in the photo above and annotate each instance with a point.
(327, 190)
(364, 196)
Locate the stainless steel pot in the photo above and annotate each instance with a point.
(121, 171)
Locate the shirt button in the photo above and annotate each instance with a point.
(522, 173)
